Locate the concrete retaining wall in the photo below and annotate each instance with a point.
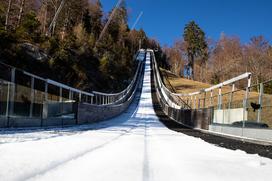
(21, 122)
(88, 113)
(193, 118)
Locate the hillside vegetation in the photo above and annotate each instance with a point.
(71, 49)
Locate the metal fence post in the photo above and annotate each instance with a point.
(79, 97)
(246, 99)
(92, 99)
(8, 95)
(45, 108)
(195, 103)
(230, 101)
(211, 98)
(220, 98)
(199, 99)
(70, 94)
(12, 92)
(60, 94)
(204, 102)
(260, 102)
(32, 97)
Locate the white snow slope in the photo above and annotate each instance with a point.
(132, 146)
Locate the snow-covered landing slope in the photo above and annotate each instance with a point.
(133, 146)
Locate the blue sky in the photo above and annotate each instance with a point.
(165, 19)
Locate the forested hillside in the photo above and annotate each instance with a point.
(69, 49)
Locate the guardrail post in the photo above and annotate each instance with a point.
(195, 103)
(204, 102)
(199, 99)
(45, 108)
(211, 98)
(220, 98)
(245, 100)
(60, 94)
(12, 92)
(230, 101)
(70, 94)
(260, 102)
(79, 96)
(32, 97)
(8, 95)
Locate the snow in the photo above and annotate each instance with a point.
(132, 146)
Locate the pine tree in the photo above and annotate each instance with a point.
(96, 14)
(194, 36)
(87, 21)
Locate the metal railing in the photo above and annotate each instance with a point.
(172, 99)
(222, 108)
(120, 97)
(27, 96)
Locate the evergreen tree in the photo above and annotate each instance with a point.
(87, 21)
(96, 14)
(194, 36)
(2, 16)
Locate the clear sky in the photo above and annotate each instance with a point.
(165, 19)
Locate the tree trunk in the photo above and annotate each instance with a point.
(192, 66)
(44, 16)
(7, 15)
(21, 12)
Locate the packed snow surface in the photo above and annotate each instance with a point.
(132, 146)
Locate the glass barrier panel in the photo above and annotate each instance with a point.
(53, 93)
(22, 101)
(266, 105)
(252, 107)
(4, 87)
(38, 103)
(237, 113)
(39, 98)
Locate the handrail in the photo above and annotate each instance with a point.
(198, 98)
(227, 82)
(116, 98)
(170, 98)
(90, 97)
